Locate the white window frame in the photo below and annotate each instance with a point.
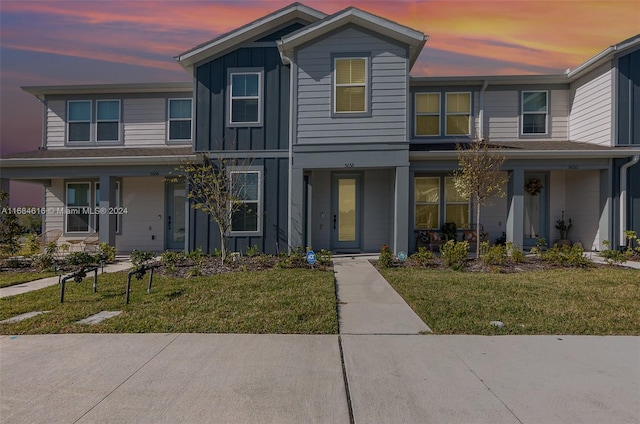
(67, 207)
(467, 202)
(69, 121)
(119, 121)
(447, 114)
(231, 97)
(523, 113)
(365, 85)
(438, 114)
(417, 203)
(246, 170)
(169, 120)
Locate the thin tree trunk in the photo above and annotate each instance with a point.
(477, 229)
(223, 247)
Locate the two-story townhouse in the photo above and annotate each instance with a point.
(348, 151)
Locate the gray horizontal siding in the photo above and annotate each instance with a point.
(388, 102)
(144, 122)
(591, 107)
(55, 123)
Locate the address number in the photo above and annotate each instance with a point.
(348, 165)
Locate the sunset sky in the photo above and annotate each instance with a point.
(50, 42)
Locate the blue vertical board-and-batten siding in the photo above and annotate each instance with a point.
(629, 99)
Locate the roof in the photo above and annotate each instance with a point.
(162, 87)
(526, 149)
(248, 32)
(480, 80)
(414, 39)
(603, 57)
(98, 156)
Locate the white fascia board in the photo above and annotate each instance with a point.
(247, 32)
(413, 38)
(87, 161)
(603, 57)
(532, 154)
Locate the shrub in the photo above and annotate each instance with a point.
(296, 259)
(423, 257)
(495, 255)
(198, 254)
(33, 244)
(324, 257)
(81, 258)
(541, 244)
(171, 259)
(107, 252)
(139, 258)
(44, 261)
(386, 257)
(516, 254)
(253, 251)
(566, 256)
(455, 254)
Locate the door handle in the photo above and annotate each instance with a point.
(335, 220)
(169, 223)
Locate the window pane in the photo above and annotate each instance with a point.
(108, 110)
(458, 214)
(534, 123)
(108, 131)
(428, 103)
(80, 111)
(427, 216)
(350, 99)
(350, 71)
(244, 85)
(245, 185)
(458, 103)
(245, 218)
(428, 125)
(180, 109)
(457, 125)
(79, 131)
(244, 110)
(534, 102)
(427, 189)
(451, 194)
(78, 196)
(180, 130)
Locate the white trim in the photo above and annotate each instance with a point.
(169, 120)
(416, 113)
(446, 113)
(546, 113)
(365, 85)
(259, 97)
(119, 122)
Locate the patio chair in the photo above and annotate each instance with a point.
(91, 243)
(430, 239)
(49, 237)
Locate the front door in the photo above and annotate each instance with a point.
(535, 208)
(345, 213)
(175, 216)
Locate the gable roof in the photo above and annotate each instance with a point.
(414, 39)
(248, 32)
(603, 57)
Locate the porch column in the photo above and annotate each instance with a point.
(296, 209)
(401, 210)
(4, 186)
(515, 217)
(605, 225)
(107, 220)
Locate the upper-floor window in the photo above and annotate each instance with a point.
(246, 186)
(458, 108)
(179, 119)
(534, 112)
(107, 120)
(245, 98)
(350, 85)
(79, 120)
(427, 114)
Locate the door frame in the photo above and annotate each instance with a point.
(351, 246)
(170, 213)
(543, 197)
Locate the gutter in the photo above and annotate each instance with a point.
(530, 154)
(481, 112)
(101, 161)
(623, 197)
(287, 60)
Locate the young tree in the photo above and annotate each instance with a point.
(9, 228)
(214, 190)
(478, 177)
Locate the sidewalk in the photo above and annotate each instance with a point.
(119, 265)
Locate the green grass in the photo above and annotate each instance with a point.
(598, 301)
(11, 278)
(276, 301)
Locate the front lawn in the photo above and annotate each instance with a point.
(11, 278)
(275, 301)
(596, 301)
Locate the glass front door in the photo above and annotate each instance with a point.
(175, 216)
(345, 229)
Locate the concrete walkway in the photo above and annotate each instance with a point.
(367, 304)
(119, 265)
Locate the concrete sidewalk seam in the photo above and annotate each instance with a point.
(346, 382)
(485, 384)
(126, 379)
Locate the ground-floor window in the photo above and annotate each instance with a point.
(436, 197)
(78, 207)
(245, 185)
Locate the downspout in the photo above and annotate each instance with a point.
(287, 60)
(623, 197)
(481, 112)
